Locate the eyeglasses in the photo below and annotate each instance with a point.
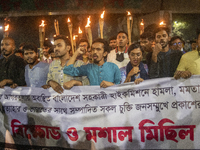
(179, 43)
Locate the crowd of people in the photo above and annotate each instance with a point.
(102, 63)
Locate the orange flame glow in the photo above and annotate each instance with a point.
(79, 30)
(68, 20)
(102, 15)
(74, 37)
(54, 35)
(42, 24)
(162, 23)
(6, 27)
(128, 13)
(88, 22)
(142, 23)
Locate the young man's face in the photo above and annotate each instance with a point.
(84, 45)
(122, 40)
(113, 44)
(98, 53)
(162, 38)
(146, 44)
(60, 48)
(30, 56)
(177, 44)
(7, 47)
(45, 50)
(135, 56)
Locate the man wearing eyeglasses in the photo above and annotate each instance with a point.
(190, 63)
(176, 43)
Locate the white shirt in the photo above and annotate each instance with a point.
(112, 58)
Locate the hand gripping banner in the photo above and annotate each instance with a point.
(156, 114)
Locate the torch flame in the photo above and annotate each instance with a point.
(128, 13)
(102, 15)
(79, 30)
(88, 22)
(142, 23)
(162, 23)
(74, 37)
(42, 24)
(6, 27)
(68, 20)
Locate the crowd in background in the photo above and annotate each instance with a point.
(155, 55)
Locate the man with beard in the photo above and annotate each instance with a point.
(176, 43)
(99, 72)
(56, 78)
(119, 56)
(35, 71)
(12, 67)
(164, 60)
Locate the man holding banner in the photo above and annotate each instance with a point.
(56, 78)
(100, 72)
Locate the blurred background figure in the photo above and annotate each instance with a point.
(112, 43)
(46, 56)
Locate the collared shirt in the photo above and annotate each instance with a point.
(47, 60)
(96, 74)
(56, 73)
(112, 58)
(37, 76)
(190, 62)
(13, 69)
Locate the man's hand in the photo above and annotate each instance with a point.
(46, 86)
(80, 50)
(156, 50)
(14, 85)
(182, 74)
(68, 85)
(4, 82)
(186, 74)
(56, 87)
(137, 81)
(177, 74)
(105, 84)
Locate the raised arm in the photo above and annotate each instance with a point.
(78, 52)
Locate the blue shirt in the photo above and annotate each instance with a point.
(37, 76)
(96, 74)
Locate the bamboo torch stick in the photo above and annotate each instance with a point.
(101, 23)
(129, 26)
(88, 31)
(70, 32)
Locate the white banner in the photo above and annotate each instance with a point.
(156, 114)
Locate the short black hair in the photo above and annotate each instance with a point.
(158, 29)
(174, 38)
(112, 38)
(64, 38)
(104, 42)
(148, 35)
(18, 51)
(29, 46)
(84, 40)
(123, 32)
(134, 46)
(47, 43)
(51, 50)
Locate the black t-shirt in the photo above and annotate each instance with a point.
(13, 68)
